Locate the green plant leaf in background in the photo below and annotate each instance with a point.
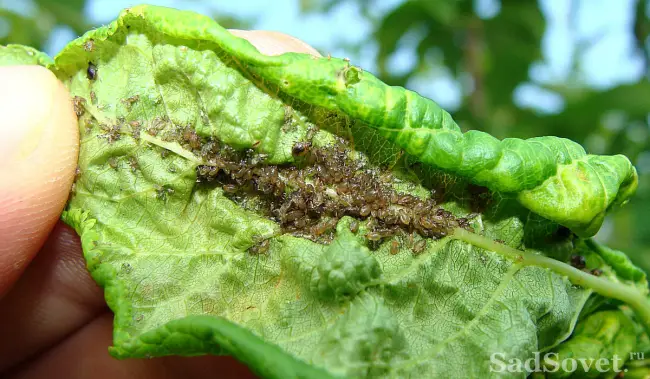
(606, 334)
(364, 270)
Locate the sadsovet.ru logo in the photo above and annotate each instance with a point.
(550, 362)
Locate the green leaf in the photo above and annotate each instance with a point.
(608, 334)
(551, 176)
(12, 55)
(621, 264)
(345, 268)
(215, 227)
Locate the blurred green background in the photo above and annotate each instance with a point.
(514, 68)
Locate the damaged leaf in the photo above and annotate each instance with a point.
(304, 217)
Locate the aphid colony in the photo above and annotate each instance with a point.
(308, 197)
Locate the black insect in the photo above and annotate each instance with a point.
(300, 148)
(91, 71)
(578, 261)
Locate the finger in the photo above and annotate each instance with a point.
(53, 298)
(84, 355)
(274, 43)
(38, 154)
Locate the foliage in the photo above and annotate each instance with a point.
(32, 28)
(178, 120)
(493, 55)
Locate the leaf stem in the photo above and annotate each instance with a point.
(627, 294)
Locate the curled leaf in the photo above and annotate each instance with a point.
(207, 171)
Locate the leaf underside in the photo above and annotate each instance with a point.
(165, 97)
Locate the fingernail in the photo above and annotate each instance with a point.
(25, 104)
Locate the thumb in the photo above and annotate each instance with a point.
(39, 144)
(274, 43)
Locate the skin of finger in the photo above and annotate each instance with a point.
(84, 355)
(35, 179)
(274, 43)
(76, 278)
(50, 301)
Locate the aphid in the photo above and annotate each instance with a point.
(112, 161)
(463, 222)
(89, 45)
(112, 133)
(365, 210)
(135, 129)
(578, 261)
(157, 125)
(596, 272)
(323, 227)
(300, 148)
(404, 217)
(133, 163)
(93, 98)
(394, 247)
(229, 188)
(420, 246)
(78, 104)
(128, 102)
(354, 226)
(260, 248)
(373, 236)
(205, 173)
(164, 153)
(91, 71)
(190, 136)
(162, 192)
(427, 223)
(371, 196)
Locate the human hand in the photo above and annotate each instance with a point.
(53, 318)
